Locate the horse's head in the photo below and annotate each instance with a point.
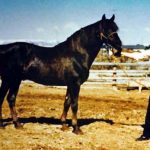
(108, 34)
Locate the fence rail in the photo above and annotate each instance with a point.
(121, 74)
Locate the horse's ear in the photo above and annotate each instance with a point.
(112, 18)
(103, 17)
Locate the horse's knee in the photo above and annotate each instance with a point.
(67, 104)
(67, 101)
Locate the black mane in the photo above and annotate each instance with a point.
(87, 29)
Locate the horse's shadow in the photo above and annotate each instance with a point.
(46, 120)
(81, 122)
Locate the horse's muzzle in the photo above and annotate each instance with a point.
(117, 54)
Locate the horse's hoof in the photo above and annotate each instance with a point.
(65, 127)
(143, 138)
(78, 131)
(2, 126)
(18, 125)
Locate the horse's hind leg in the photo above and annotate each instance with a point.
(11, 100)
(3, 91)
(65, 110)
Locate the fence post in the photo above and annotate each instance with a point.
(114, 75)
(140, 88)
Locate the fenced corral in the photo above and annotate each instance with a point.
(129, 75)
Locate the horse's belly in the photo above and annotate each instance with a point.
(46, 77)
(49, 81)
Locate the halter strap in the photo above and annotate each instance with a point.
(106, 37)
(112, 34)
(102, 35)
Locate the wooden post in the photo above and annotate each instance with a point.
(140, 88)
(114, 85)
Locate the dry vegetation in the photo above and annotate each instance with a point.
(110, 120)
(104, 57)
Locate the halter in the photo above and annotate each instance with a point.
(108, 46)
(106, 37)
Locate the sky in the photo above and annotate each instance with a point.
(55, 20)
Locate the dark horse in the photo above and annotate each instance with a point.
(66, 64)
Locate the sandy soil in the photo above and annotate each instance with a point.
(110, 120)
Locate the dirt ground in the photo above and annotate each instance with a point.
(110, 120)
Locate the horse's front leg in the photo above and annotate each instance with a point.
(11, 100)
(65, 110)
(74, 93)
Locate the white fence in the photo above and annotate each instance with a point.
(121, 74)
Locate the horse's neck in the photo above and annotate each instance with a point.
(84, 45)
(93, 52)
(92, 48)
